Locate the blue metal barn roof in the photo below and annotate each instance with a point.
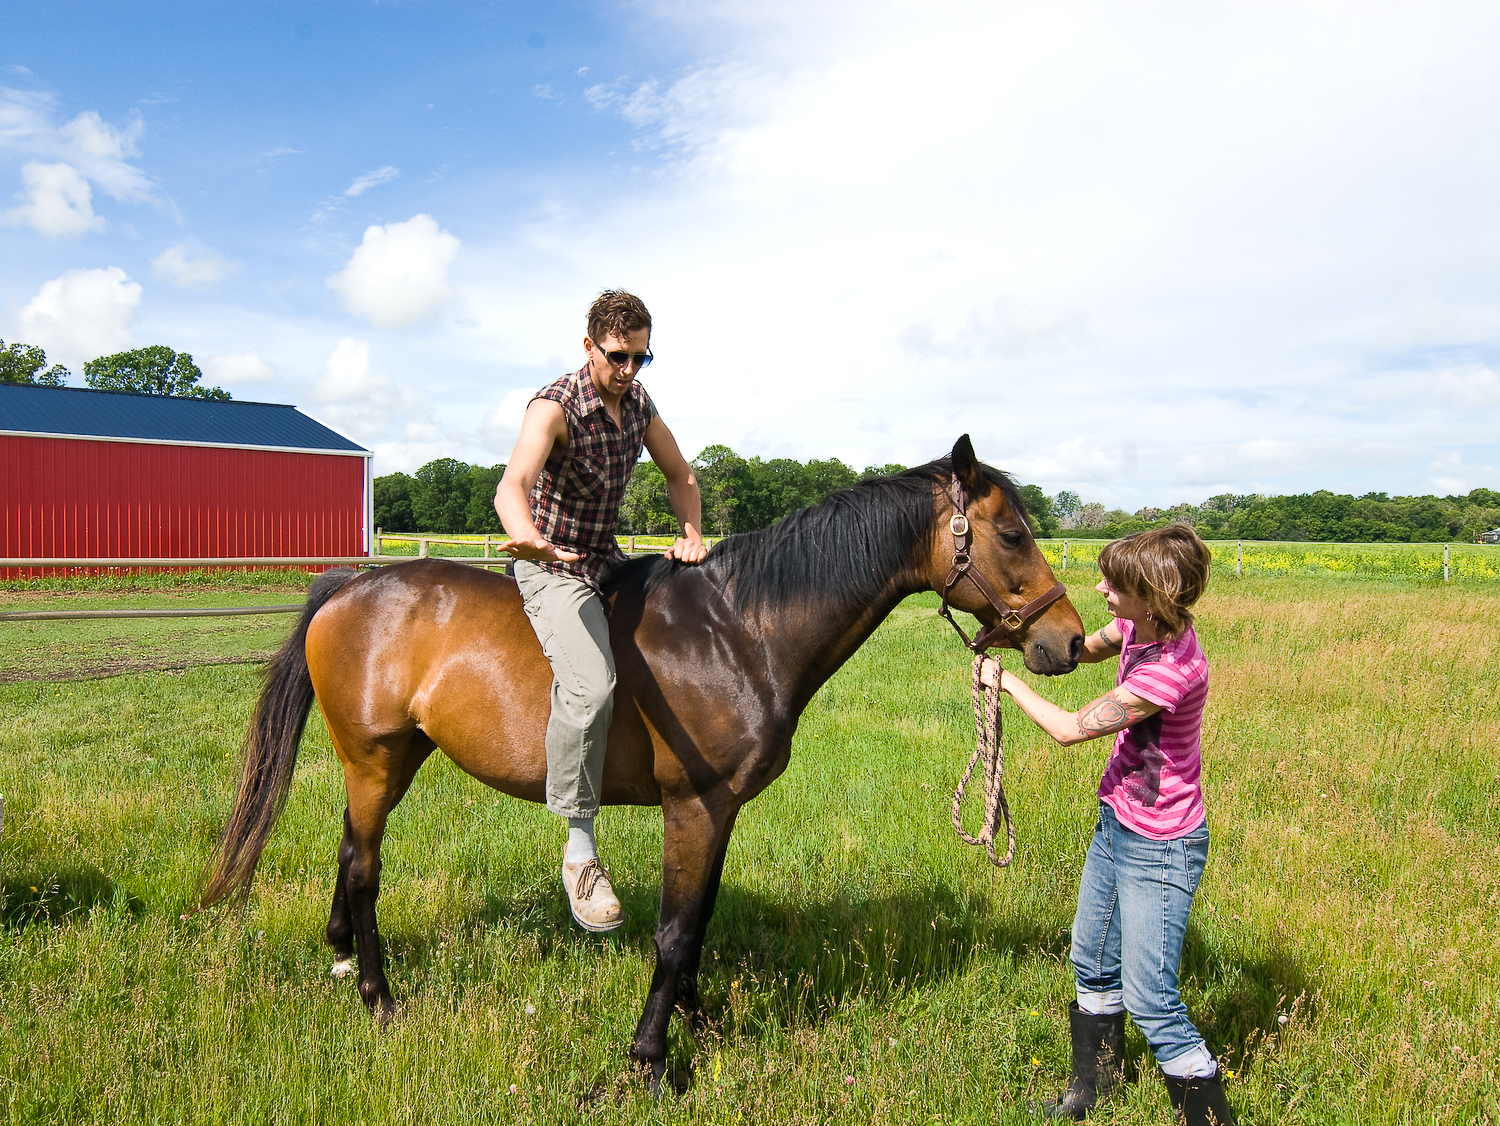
(112, 414)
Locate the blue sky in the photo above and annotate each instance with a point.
(1148, 252)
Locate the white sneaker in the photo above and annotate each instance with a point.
(591, 897)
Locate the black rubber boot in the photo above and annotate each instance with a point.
(1098, 1063)
(1199, 1102)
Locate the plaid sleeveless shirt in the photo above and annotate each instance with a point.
(576, 499)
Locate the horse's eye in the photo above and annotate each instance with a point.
(1012, 539)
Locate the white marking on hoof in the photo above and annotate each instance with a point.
(342, 968)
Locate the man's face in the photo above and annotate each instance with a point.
(613, 380)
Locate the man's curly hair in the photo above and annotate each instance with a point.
(618, 312)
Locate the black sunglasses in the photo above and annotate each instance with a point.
(620, 359)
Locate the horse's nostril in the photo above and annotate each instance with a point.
(1075, 648)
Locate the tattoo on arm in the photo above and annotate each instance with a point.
(1106, 715)
(1108, 642)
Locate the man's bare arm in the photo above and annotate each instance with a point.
(682, 488)
(543, 427)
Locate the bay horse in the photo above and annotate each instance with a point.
(715, 663)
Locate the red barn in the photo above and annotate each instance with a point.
(104, 475)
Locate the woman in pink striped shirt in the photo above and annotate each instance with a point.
(1151, 840)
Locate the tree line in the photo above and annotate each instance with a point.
(153, 370)
(739, 494)
(1323, 515)
(742, 494)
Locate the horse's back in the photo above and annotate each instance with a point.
(447, 647)
(442, 646)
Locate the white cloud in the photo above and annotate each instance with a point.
(1470, 389)
(1154, 252)
(399, 273)
(394, 420)
(58, 201)
(238, 368)
(370, 179)
(98, 151)
(1454, 478)
(500, 429)
(82, 315)
(174, 266)
(1009, 330)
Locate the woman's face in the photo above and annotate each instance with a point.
(1129, 606)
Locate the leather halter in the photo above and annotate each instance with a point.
(1011, 620)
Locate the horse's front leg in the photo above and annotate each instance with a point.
(694, 840)
(688, 1001)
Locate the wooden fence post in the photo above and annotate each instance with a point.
(1065, 555)
(486, 545)
(1239, 558)
(421, 549)
(376, 544)
(1445, 562)
(631, 549)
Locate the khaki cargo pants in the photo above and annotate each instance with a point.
(568, 616)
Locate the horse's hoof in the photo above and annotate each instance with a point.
(342, 968)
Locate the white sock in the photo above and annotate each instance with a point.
(1104, 1004)
(1195, 1063)
(581, 844)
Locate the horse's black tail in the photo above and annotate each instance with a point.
(270, 755)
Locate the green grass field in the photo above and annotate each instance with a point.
(1420, 562)
(863, 965)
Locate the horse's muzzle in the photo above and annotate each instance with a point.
(1051, 657)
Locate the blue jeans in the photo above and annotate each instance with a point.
(1133, 904)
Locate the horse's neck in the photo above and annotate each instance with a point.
(808, 645)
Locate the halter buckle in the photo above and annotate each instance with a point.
(960, 559)
(958, 524)
(1012, 621)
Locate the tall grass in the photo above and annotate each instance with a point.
(862, 965)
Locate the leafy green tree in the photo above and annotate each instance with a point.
(393, 510)
(154, 370)
(767, 491)
(26, 364)
(481, 516)
(716, 468)
(823, 478)
(1067, 505)
(889, 469)
(440, 496)
(646, 508)
(1039, 509)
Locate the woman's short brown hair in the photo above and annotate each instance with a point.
(618, 312)
(1168, 567)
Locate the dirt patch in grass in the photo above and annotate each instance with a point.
(94, 670)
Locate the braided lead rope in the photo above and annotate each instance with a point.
(990, 749)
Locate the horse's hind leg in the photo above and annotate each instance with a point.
(375, 783)
(340, 932)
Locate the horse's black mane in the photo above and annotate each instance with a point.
(844, 549)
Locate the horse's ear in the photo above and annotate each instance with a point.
(966, 467)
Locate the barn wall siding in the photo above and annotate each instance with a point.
(82, 499)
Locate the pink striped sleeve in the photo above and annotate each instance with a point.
(1162, 684)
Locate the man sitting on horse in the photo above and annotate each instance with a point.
(559, 501)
